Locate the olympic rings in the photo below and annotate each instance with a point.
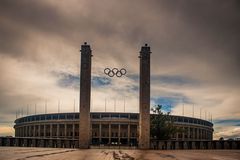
(115, 72)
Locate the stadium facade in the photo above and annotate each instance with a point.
(107, 128)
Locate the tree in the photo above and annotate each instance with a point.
(162, 127)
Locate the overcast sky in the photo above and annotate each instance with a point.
(195, 57)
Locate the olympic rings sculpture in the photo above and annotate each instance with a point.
(115, 72)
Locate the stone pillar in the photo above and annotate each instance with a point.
(44, 131)
(34, 143)
(109, 132)
(193, 145)
(185, 144)
(25, 142)
(226, 145)
(128, 134)
(209, 145)
(1, 141)
(34, 131)
(16, 142)
(160, 145)
(183, 134)
(119, 133)
(168, 145)
(73, 136)
(50, 142)
(144, 94)
(25, 131)
(234, 145)
(30, 131)
(100, 133)
(58, 130)
(198, 134)
(59, 144)
(39, 131)
(201, 145)
(193, 133)
(22, 131)
(67, 143)
(176, 145)
(65, 130)
(42, 143)
(85, 96)
(51, 130)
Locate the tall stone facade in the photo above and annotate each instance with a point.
(85, 96)
(144, 106)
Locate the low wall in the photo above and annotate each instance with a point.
(155, 144)
(214, 144)
(38, 142)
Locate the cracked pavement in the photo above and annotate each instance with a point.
(21, 153)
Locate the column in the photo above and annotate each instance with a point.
(39, 131)
(100, 133)
(30, 131)
(44, 131)
(144, 98)
(183, 134)
(197, 134)
(119, 133)
(177, 145)
(85, 96)
(109, 132)
(73, 130)
(34, 131)
(57, 130)
(193, 145)
(188, 136)
(194, 134)
(128, 134)
(26, 131)
(65, 130)
(51, 130)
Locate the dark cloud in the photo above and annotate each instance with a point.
(235, 122)
(194, 44)
(100, 81)
(67, 80)
(171, 100)
(71, 81)
(175, 80)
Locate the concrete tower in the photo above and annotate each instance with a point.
(144, 106)
(85, 96)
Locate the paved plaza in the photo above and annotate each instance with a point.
(17, 153)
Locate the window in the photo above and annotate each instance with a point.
(37, 118)
(62, 116)
(96, 116)
(76, 116)
(115, 115)
(55, 116)
(49, 117)
(133, 116)
(105, 115)
(123, 115)
(69, 116)
(43, 117)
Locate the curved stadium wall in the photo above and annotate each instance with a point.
(106, 127)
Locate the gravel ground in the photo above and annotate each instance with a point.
(20, 153)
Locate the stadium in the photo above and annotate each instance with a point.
(107, 128)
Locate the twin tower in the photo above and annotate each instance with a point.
(85, 97)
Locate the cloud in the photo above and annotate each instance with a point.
(234, 122)
(195, 54)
